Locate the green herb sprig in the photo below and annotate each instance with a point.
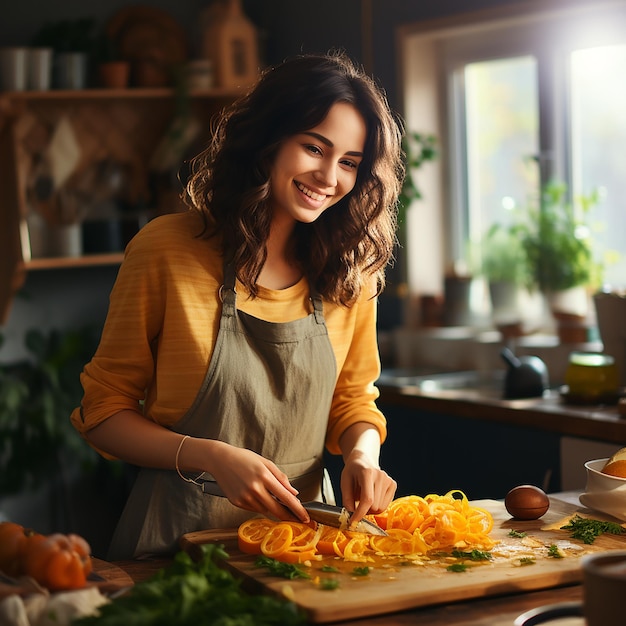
(587, 530)
(457, 567)
(361, 571)
(517, 534)
(554, 552)
(474, 555)
(328, 568)
(328, 584)
(278, 568)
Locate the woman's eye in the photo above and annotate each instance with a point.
(313, 149)
(350, 164)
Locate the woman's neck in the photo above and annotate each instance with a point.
(281, 269)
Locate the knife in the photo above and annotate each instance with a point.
(320, 512)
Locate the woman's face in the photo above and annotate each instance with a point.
(316, 168)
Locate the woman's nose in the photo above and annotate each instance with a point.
(326, 175)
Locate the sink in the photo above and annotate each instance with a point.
(492, 380)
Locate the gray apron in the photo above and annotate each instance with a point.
(268, 388)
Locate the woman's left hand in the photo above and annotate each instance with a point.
(365, 488)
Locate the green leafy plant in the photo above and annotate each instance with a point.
(556, 239)
(37, 395)
(503, 257)
(189, 593)
(418, 149)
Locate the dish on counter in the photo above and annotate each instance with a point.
(603, 492)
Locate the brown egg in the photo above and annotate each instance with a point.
(526, 502)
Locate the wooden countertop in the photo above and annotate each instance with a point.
(549, 413)
(495, 611)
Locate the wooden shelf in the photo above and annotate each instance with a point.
(109, 94)
(88, 260)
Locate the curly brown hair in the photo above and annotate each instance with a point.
(230, 180)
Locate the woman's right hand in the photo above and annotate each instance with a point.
(248, 480)
(254, 483)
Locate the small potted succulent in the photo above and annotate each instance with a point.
(113, 69)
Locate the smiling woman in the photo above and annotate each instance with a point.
(241, 334)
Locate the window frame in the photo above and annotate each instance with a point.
(526, 29)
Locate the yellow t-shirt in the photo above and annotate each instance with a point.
(163, 320)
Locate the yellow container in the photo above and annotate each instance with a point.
(592, 377)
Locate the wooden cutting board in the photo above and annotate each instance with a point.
(391, 586)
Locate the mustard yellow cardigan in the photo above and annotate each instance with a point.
(162, 324)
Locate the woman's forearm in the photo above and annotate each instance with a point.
(362, 438)
(132, 438)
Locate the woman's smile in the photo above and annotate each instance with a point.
(316, 197)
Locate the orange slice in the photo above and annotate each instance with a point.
(277, 540)
(250, 534)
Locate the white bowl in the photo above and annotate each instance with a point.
(603, 492)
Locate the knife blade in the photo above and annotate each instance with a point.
(339, 517)
(320, 512)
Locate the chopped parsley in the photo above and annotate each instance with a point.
(278, 568)
(457, 567)
(527, 560)
(587, 530)
(328, 584)
(554, 552)
(518, 534)
(361, 571)
(328, 568)
(474, 555)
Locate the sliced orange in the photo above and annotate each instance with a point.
(356, 547)
(305, 538)
(397, 541)
(615, 468)
(415, 525)
(250, 534)
(277, 540)
(332, 541)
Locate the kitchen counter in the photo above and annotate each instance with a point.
(496, 611)
(485, 402)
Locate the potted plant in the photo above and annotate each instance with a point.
(418, 149)
(557, 241)
(37, 395)
(558, 246)
(503, 264)
(113, 69)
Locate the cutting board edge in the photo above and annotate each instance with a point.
(400, 602)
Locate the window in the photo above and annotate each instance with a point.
(522, 100)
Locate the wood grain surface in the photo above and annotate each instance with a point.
(391, 586)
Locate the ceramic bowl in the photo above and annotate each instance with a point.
(603, 492)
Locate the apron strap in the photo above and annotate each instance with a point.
(227, 292)
(318, 307)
